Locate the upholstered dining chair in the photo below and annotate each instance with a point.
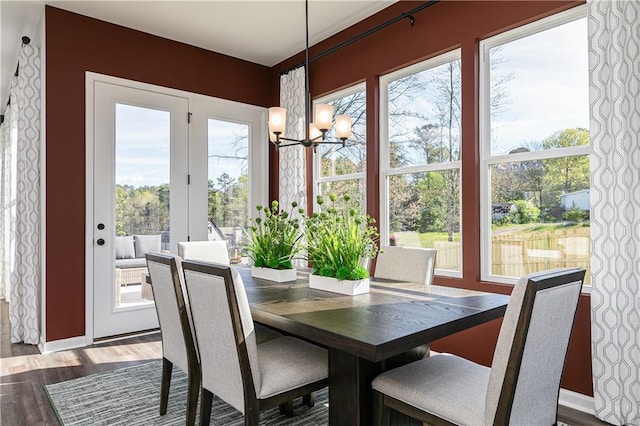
(249, 376)
(178, 345)
(523, 383)
(217, 252)
(208, 251)
(406, 264)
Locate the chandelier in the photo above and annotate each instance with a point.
(315, 133)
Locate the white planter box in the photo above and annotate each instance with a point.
(277, 275)
(343, 287)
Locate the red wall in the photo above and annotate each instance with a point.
(442, 27)
(76, 44)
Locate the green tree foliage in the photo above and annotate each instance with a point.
(142, 210)
(543, 182)
(567, 174)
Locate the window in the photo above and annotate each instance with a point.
(341, 170)
(535, 146)
(420, 159)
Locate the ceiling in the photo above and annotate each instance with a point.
(261, 31)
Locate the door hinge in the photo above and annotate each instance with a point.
(188, 237)
(189, 118)
(188, 179)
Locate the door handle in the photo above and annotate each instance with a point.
(100, 241)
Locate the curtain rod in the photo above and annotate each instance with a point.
(406, 15)
(25, 40)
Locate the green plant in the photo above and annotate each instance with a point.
(575, 214)
(339, 238)
(274, 237)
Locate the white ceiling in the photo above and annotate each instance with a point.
(261, 31)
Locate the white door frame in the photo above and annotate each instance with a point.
(199, 106)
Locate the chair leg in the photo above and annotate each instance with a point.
(167, 368)
(205, 407)
(381, 413)
(252, 417)
(286, 408)
(193, 392)
(309, 399)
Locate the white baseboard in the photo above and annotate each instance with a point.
(577, 401)
(63, 344)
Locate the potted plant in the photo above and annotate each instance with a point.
(273, 241)
(340, 241)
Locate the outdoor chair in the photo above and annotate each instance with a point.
(249, 376)
(523, 383)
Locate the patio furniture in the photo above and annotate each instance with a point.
(130, 258)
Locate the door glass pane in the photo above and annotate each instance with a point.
(142, 164)
(228, 189)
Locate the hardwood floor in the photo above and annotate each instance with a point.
(24, 372)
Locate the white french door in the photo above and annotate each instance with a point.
(140, 198)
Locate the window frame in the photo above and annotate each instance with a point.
(386, 171)
(318, 180)
(486, 159)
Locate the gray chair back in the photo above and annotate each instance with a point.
(406, 264)
(207, 251)
(532, 345)
(224, 331)
(172, 308)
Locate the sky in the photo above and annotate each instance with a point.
(144, 133)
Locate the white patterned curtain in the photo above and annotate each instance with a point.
(7, 203)
(293, 182)
(614, 63)
(21, 211)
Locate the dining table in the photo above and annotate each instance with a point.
(362, 332)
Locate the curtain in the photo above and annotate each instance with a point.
(7, 200)
(293, 183)
(21, 210)
(614, 66)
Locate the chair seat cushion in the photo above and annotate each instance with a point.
(287, 363)
(450, 387)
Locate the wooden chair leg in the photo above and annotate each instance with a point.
(205, 407)
(193, 391)
(287, 407)
(309, 399)
(381, 413)
(167, 368)
(252, 417)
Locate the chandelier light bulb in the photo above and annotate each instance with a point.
(277, 119)
(343, 126)
(324, 116)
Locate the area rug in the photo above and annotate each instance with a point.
(131, 396)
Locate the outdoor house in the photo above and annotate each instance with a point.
(439, 101)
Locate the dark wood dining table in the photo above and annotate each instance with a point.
(361, 332)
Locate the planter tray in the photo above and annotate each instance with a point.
(343, 287)
(277, 275)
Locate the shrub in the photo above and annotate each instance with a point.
(575, 215)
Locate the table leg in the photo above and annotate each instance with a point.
(350, 393)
